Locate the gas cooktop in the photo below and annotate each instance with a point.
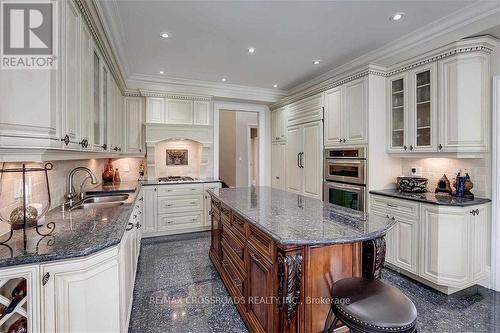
(175, 179)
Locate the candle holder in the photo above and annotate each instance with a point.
(24, 200)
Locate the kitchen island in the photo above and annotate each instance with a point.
(279, 254)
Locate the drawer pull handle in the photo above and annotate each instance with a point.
(254, 258)
(170, 221)
(194, 220)
(129, 227)
(392, 205)
(170, 205)
(193, 202)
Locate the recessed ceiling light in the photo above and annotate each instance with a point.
(251, 50)
(162, 72)
(275, 86)
(397, 17)
(316, 62)
(164, 35)
(223, 79)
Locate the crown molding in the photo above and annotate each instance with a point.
(198, 87)
(92, 17)
(173, 95)
(419, 38)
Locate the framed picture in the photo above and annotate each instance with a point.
(177, 157)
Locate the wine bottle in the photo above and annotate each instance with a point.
(18, 293)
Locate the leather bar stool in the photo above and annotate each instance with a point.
(370, 306)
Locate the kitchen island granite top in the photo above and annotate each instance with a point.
(292, 219)
(442, 199)
(77, 233)
(154, 182)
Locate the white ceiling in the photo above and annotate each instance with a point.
(209, 39)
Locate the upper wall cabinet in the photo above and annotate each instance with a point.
(346, 114)
(306, 110)
(278, 124)
(133, 125)
(464, 90)
(442, 106)
(413, 110)
(161, 110)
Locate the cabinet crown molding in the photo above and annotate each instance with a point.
(484, 44)
(154, 93)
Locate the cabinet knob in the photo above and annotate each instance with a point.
(411, 147)
(116, 148)
(404, 147)
(440, 147)
(45, 278)
(343, 140)
(104, 146)
(65, 140)
(340, 140)
(84, 143)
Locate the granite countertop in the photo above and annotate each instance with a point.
(432, 198)
(292, 219)
(154, 182)
(77, 233)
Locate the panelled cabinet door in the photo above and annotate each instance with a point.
(312, 160)
(398, 113)
(390, 238)
(155, 110)
(355, 112)
(406, 245)
(86, 87)
(281, 123)
(150, 212)
(78, 297)
(179, 111)
(480, 226)
(423, 117)
(133, 125)
(464, 87)
(445, 236)
(208, 202)
(274, 125)
(293, 150)
(278, 155)
(201, 113)
(71, 75)
(128, 249)
(260, 286)
(333, 116)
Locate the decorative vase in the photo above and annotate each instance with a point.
(108, 174)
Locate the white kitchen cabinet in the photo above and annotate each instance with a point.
(413, 112)
(309, 109)
(79, 295)
(278, 165)
(208, 201)
(179, 111)
(464, 90)
(155, 110)
(442, 246)
(304, 157)
(201, 111)
(115, 118)
(71, 80)
(346, 114)
(278, 124)
(86, 129)
(150, 212)
(128, 262)
(133, 125)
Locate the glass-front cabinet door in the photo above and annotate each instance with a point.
(398, 113)
(423, 116)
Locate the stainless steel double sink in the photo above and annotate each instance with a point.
(105, 200)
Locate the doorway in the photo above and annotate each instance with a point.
(239, 148)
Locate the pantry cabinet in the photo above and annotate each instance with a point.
(278, 124)
(442, 246)
(278, 165)
(304, 155)
(346, 114)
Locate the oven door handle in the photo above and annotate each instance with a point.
(346, 187)
(357, 162)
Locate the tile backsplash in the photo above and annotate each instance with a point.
(434, 168)
(58, 176)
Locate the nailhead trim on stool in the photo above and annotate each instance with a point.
(388, 329)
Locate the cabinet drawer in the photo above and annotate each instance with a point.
(235, 248)
(167, 221)
(261, 243)
(181, 189)
(180, 205)
(395, 207)
(238, 224)
(236, 279)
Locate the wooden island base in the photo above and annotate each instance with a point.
(283, 288)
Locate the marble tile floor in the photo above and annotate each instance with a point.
(178, 290)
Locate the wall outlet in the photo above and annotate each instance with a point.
(416, 171)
